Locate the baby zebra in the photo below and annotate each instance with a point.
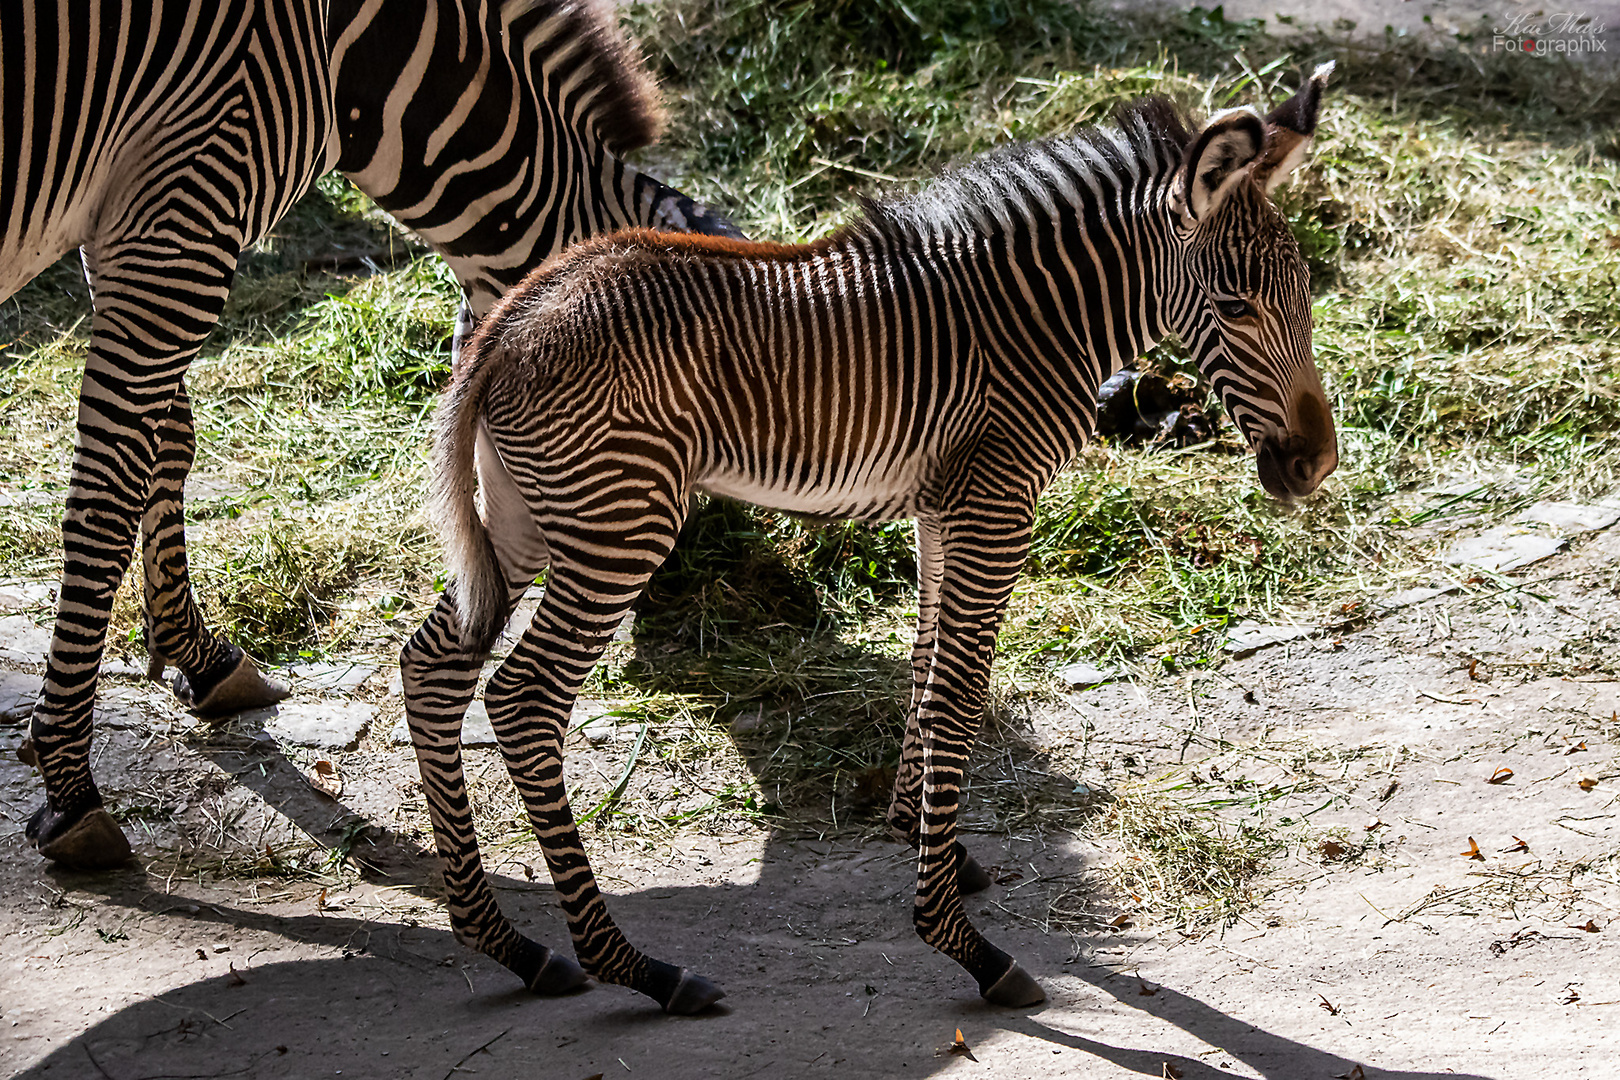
(938, 360)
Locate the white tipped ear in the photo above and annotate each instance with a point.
(1219, 159)
(1290, 128)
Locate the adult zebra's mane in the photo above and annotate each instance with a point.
(627, 105)
(1146, 138)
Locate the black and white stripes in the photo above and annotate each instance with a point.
(939, 361)
(162, 137)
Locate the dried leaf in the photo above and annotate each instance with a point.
(1354, 1074)
(1332, 850)
(323, 777)
(1170, 1072)
(960, 1047)
(1473, 851)
(1389, 790)
(1143, 989)
(1574, 995)
(320, 901)
(234, 978)
(1374, 825)
(1589, 926)
(1121, 921)
(1587, 783)
(1500, 775)
(1332, 1009)
(1518, 845)
(1576, 749)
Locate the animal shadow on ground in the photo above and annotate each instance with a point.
(396, 1004)
(817, 954)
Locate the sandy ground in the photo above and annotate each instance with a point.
(1410, 960)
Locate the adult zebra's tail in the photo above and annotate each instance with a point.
(477, 585)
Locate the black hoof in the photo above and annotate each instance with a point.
(692, 995)
(970, 876)
(233, 687)
(93, 841)
(1014, 990)
(546, 972)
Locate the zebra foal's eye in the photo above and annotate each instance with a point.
(1234, 309)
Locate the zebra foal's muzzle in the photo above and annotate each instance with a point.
(1292, 463)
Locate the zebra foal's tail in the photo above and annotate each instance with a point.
(477, 585)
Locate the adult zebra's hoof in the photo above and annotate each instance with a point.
(692, 995)
(1014, 990)
(92, 842)
(970, 876)
(231, 687)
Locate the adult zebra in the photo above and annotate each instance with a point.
(162, 139)
(939, 361)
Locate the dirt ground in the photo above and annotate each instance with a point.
(1394, 953)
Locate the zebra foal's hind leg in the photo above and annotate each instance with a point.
(601, 560)
(983, 546)
(216, 678)
(439, 677)
(906, 803)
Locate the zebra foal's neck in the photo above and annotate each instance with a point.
(1062, 250)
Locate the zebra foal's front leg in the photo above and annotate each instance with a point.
(906, 803)
(216, 678)
(983, 550)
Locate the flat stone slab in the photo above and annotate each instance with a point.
(339, 677)
(1407, 597)
(1571, 519)
(27, 595)
(1247, 636)
(1502, 549)
(22, 640)
(476, 729)
(324, 725)
(1081, 674)
(18, 690)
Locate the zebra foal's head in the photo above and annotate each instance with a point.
(1247, 318)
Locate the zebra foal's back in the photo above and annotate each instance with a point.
(819, 379)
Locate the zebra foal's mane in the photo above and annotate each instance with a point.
(1146, 139)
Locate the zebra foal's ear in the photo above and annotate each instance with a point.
(1289, 130)
(1218, 160)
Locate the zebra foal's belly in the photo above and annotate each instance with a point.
(854, 493)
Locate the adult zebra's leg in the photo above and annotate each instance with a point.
(983, 549)
(906, 802)
(155, 302)
(438, 677)
(595, 579)
(216, 678)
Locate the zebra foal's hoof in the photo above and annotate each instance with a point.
(692, 995)
(1014, 990)
(545, 971)
(970, 876)
(92, 842)
(235, 686)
